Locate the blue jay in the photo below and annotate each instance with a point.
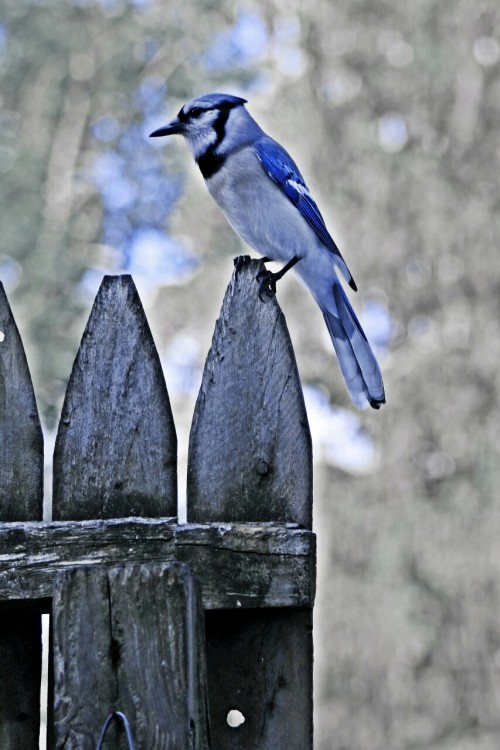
(264, 197)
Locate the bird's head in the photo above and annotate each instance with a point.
(202, 121)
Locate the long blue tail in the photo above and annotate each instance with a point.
(356, 359)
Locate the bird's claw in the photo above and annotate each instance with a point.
(267, 285)
(240, 261)
(266, 279)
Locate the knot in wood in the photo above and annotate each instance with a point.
(263, 467)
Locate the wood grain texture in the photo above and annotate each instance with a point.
(238, 565)
(116, 447)
(250, 446)
(131, 637)
(21, 496)
(260, 663)
(20, 669)
(21, 441)
(250, 459)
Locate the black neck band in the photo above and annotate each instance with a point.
(210, 162)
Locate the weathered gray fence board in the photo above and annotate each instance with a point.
(238, 565)
(250, 446)
(250, 459)
(21, 441)
(21, 490)
(270, 682)
(116, 448)
(131, 637)
(20, 670)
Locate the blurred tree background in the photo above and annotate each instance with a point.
(391, 110)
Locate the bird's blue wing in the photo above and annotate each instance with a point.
(281, 168)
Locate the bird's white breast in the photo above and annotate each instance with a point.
(258, 210)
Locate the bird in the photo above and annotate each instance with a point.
(264, 197)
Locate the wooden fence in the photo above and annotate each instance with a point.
(174, 625)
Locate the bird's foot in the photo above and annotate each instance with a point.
(240, 261)
(267, 284)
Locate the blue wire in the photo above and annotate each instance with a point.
(108, 721)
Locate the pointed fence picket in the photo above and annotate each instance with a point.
(250, 460)
(175, 625)
(21, 491)
(116, 447)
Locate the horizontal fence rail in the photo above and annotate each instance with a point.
(237, 565)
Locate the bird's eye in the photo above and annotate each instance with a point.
(195, 112)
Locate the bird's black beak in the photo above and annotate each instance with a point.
(176, 126)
